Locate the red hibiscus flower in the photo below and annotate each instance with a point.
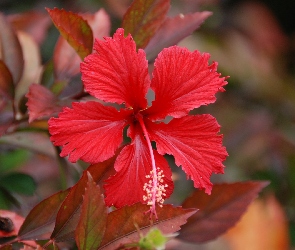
(117, 73)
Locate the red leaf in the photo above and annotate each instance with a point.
(176, 94)
(6, 81)
(41, 102)
(121, 223)
(219, 211)
(173, 30)
(74, 29)
(66, 60)
(68, 216)
(89, 131)
(10, 223)
(39, 222)
(93, 219)
(133, 165)
(195, 145)
(11, 50)
(143, 18)
(116, 72)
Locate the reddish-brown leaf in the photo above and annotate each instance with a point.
(218, 211)
(143, 18)
(173, 30)
(34, 23)
(74, 29)
(6, 81)
(121, 223)
(39, 221)
(11, 50)
(41, 102)
(66, 60)
(6, 247)
(68, 215)
(35, 141)
(93, 219)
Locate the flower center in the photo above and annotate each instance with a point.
(154, 187)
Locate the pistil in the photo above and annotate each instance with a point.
(151, 187)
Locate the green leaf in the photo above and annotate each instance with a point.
(6, 81)
(12, 160)
(93, 219)
(143, 18)
(18, 183)
(74, 29)
(39, 221)
(154, 239)
(218, 211)
(121, 223)
(7, 199)
(11, 50)
(68, 216)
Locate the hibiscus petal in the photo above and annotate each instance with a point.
(194, 143)
(90, 131)
(132, 166)
(183, 80)
(116, 72)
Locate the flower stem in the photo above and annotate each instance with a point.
(154, 169)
